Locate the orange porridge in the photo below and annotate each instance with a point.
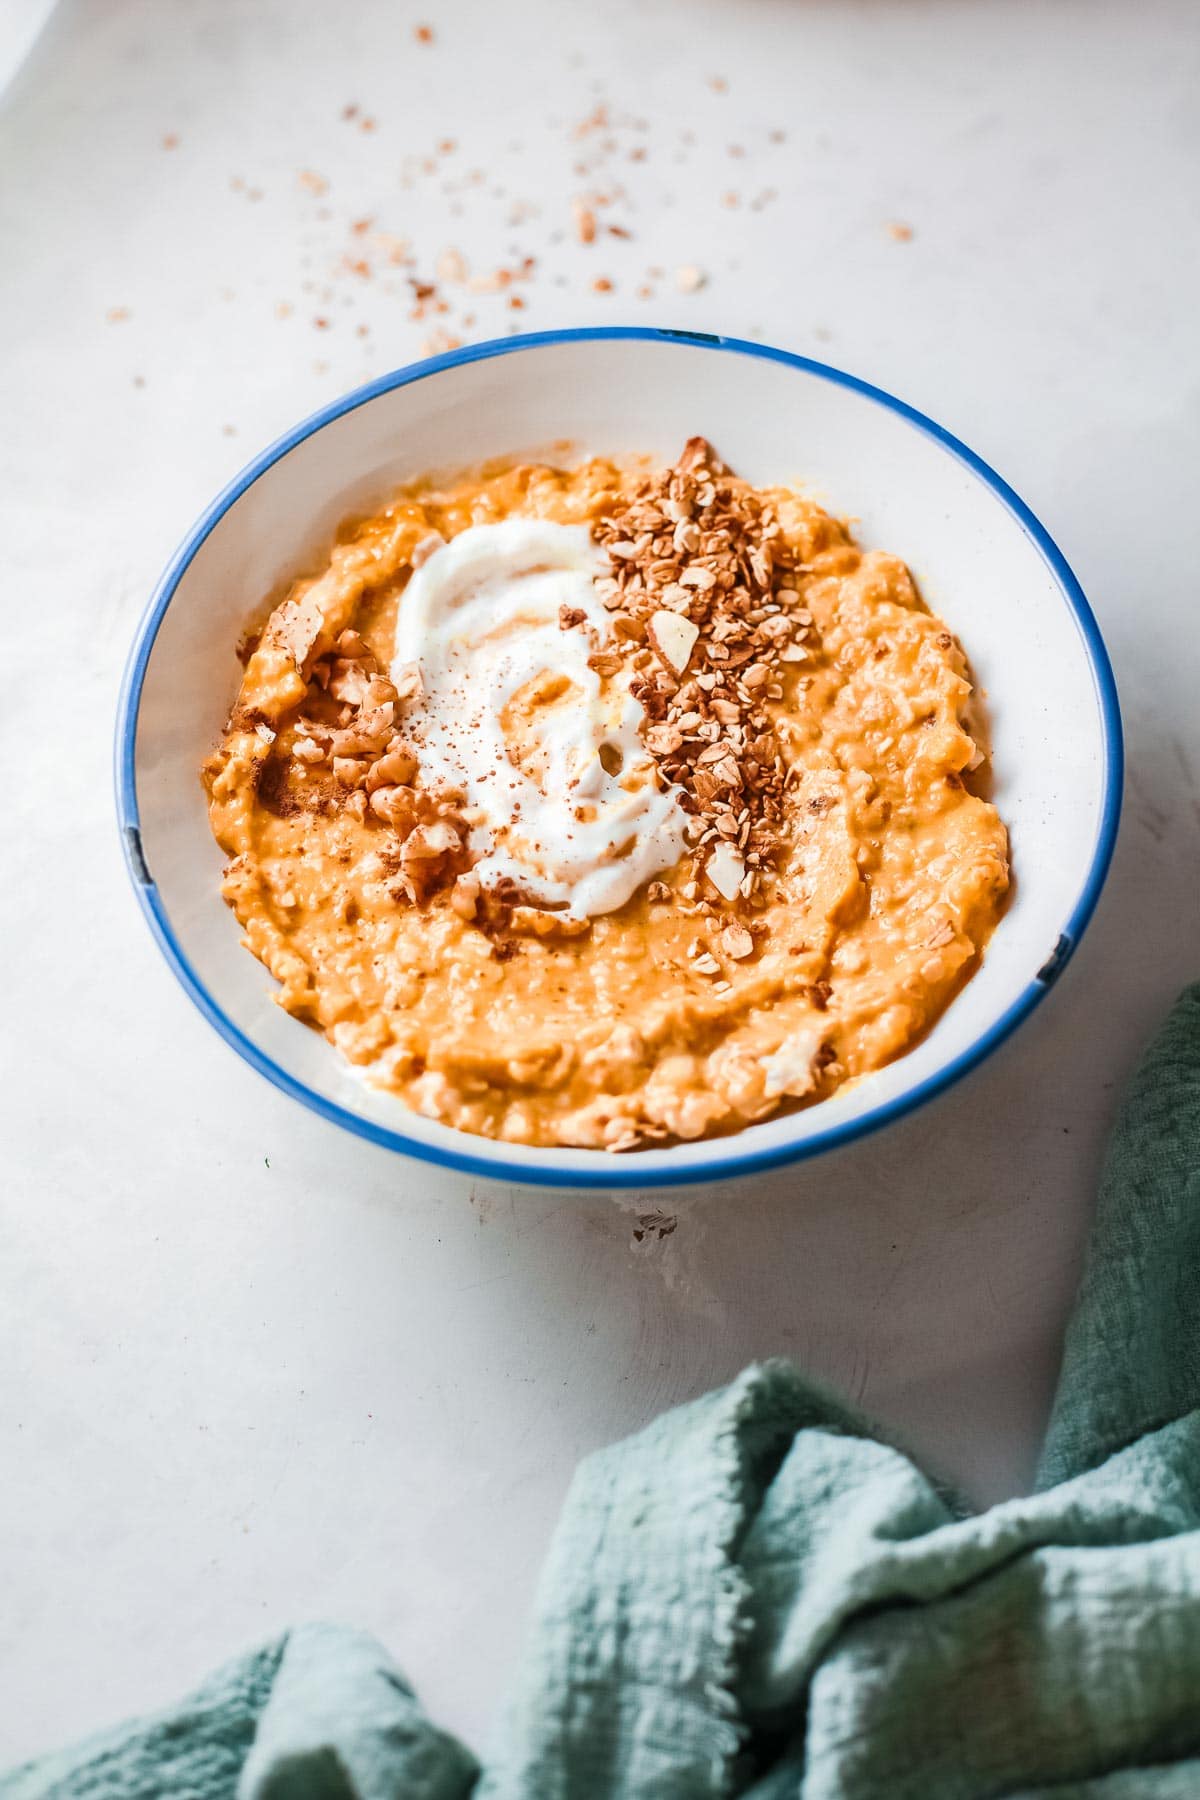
(607, 807)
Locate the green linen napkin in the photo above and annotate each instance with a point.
(757, 1596)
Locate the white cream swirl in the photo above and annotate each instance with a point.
(513, 717)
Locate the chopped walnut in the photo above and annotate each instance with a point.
(395, 768)
(296, 627)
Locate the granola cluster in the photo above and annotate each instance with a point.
(706, 609)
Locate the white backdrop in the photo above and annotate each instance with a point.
(254, 1371)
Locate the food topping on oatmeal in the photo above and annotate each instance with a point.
(525, 710)
(608, 806)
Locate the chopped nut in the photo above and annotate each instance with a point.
(394, 805)
(296, 627)
(408, 682)
(737, 942)
(428, 841)
(367, 735)
(725, 869)
(395, 769)
(673, 638)
(464, 896)
(663, 740)
(605, 662)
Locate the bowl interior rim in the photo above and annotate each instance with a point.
(526, 1164)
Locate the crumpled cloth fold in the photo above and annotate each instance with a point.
(759, 1596)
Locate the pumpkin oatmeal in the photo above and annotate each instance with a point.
(607, 807)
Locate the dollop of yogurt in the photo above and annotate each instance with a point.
(564, 797)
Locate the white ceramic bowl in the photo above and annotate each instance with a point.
(982, 561)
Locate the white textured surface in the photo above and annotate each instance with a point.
(251, 1370)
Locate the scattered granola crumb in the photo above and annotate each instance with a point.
(118, 314)
(283, 309)
(423, 34)
(899, 232)
(585, 221)
(452, 266)
(718, 84)
(170, 140)
(602, 285)
(315, 184)
(689, 279)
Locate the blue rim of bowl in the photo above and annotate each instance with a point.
(618, 1173)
